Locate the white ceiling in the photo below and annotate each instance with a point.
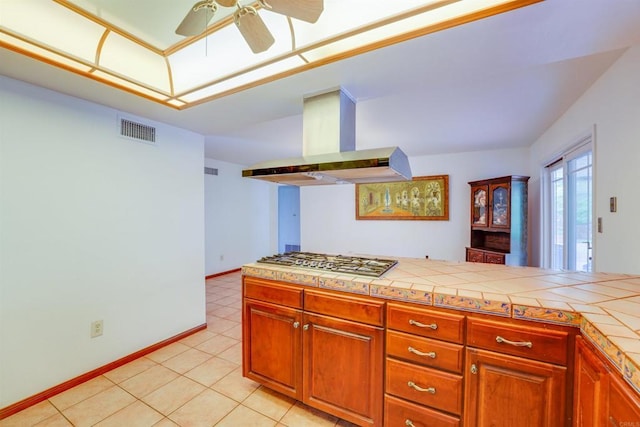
(498, 82)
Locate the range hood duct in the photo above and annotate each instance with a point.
(328, 150)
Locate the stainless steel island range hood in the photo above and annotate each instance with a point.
(329, 155)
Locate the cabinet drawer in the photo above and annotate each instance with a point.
(348, 307)
(492, 258)
(425, 386)
(519, 340)
(268, 291)
(474, 256)
(425, 322)
(425, 351)
(398, 412)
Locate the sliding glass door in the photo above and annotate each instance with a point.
(579, 212)
(569, 228)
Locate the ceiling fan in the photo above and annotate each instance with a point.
(246, 18)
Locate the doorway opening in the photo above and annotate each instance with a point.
(288, 218)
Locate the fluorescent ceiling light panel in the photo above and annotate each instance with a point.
(132, 44)
(127, 84)
(53, 26)
(244, 79)
(130, 59)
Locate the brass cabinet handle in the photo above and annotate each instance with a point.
(296, 324)
(433, 326)
(305, 327)
(474, 369)
(416, 387)
(431, 354)
(528, 344)
(409, 423)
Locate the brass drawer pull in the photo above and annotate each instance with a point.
(500, 340)
(416, 387)
(409, 423)
(433, 326)
(431, 354)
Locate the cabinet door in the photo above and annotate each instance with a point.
(343, 368)
(272, 346)
(479, 206)
(591, 387)
(624, 404)
(500, 201)
(507, 391)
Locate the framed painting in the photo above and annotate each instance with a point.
(422, 198)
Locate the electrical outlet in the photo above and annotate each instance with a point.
(97, 328)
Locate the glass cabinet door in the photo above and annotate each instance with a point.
(479, 212)
(500, 214)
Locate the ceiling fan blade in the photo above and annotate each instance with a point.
(253, 29)
(197, 19)
(305, 10)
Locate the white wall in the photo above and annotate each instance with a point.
(92, 226)
(241, 223)
(612, 104)
(328, 223)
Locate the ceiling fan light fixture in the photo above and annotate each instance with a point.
(253, 29)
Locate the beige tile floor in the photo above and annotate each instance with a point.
(194, 382)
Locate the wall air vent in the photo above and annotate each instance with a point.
(211, 171)
(137, 131)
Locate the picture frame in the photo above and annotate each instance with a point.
(422, 198)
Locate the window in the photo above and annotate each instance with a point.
(568, 210)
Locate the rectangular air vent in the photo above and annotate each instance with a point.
(137, 131)
(210, 171)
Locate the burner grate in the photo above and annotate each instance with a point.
(373, 267)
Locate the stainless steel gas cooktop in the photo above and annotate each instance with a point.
(374, 267)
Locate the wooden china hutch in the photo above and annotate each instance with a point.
(499, 221)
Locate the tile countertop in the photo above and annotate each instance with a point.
(606, 307)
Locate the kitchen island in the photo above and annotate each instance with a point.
(603, 308)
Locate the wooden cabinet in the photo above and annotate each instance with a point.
(499, 221)
(601, 397)
(516, 374)
(591, 387)
(424, 361)
(624, 404)
(503, 390)
(343, 344)
(429, 366)
(272, 339)
(272, 353)
(322, 348)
